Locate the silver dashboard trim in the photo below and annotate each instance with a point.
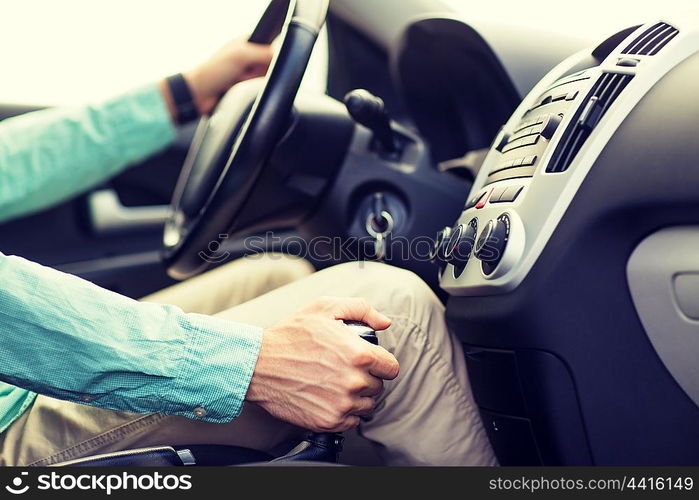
(539, 221)
(514, 249)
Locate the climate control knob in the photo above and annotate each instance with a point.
(440, 246)
(492, 243)
(460, 246)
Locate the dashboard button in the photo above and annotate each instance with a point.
(529, 140)
(503, 142)
(511, 173)
(628, 62)
(529, 161)
(473, 201)
(551, 126)
(503, 166)
(531, 130)
(483, 199)
(510, 194)
(524, 124)
(497, 193)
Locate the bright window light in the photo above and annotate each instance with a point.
(590, 19)
(58, 52)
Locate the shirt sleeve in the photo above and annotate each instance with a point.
(51, 155)
(67, 338)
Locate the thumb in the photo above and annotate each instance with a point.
(256, 54)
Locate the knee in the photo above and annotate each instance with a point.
(391, 289)
(277, 268)
(409, 296)
(288, 268)
(416, 313)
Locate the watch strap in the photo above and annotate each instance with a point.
(183, 99)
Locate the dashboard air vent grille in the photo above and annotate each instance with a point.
(652, 40)
(603, 94)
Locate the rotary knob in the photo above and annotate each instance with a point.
(440, 246)
(492, 243)
(460, 246)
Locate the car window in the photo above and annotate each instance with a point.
(591, 19)
(62, 52)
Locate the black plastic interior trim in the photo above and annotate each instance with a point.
(455, 87)
(605, 91)
(652, 40)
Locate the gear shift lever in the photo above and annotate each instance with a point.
(370, 111)
(326, 446)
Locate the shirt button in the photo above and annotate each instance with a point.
(200, 412)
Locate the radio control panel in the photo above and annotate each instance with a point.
(538, 161)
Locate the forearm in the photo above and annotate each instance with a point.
(66, 338)
(51, 155)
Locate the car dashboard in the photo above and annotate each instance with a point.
(542, 154)
(562, 269)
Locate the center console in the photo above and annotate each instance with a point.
(565, 360)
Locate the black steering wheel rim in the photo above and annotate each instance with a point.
(192, 237)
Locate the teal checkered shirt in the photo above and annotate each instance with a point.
(66, 338)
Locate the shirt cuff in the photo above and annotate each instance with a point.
(219, 361)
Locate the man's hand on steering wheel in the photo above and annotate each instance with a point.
(315, 373)
(236, 61)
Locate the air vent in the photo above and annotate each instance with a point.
(603, 94)
(652, 40)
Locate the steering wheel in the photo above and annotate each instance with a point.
(231, 147)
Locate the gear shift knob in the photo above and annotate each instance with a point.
(370, 111)
(364, 331)
(326, 446)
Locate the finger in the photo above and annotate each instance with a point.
(358, 309)
(350, 422)
(384, 364)
(374, 387)
(254, 72)
(364, 407)
(257, 53)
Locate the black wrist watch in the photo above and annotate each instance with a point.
(185, 106)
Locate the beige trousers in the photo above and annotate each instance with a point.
(426, 416)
